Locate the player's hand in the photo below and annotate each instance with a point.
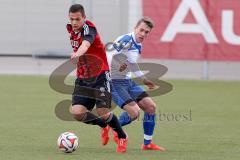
(149, 83)
(123, 67)
(74, 58)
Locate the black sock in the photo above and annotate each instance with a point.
(90, 118)
(113, 122)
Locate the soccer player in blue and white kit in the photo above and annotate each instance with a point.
(125, 92)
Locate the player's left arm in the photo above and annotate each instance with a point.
(88, 38)
(138, 73)
(134, 67)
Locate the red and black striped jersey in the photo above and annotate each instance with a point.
(94, 61)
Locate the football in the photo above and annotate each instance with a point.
(67, 142)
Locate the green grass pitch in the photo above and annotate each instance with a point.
(29, 127)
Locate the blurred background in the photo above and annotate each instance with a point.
(195, 39)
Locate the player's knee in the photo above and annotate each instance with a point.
(134, 113)
(78, 112)
(79, 117)
(105, 116)
(104, 113)
(151, 108)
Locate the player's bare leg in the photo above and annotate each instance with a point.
(133, 110)
(149, 107)
(131, 114)
(81, 114)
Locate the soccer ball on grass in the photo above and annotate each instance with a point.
(67, 142)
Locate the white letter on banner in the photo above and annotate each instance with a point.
(177, 23)
(227, 28)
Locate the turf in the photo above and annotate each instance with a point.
(198, 120)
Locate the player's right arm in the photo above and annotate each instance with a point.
(121, 46)
(81, 50)
(89, 36)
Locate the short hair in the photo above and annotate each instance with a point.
(148, 21)
(77, 8)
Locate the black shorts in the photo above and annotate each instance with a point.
(93, 91)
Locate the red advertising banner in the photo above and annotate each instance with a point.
(193, 29)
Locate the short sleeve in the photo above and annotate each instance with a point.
(89, 33)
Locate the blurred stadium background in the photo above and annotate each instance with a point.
(197, 40)
(33, 30)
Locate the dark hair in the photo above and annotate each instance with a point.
(77, 8)
(148, 21)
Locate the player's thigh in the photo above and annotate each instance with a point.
(137, 92)
(147, 105)
(79, 100)
(120, 94)
(103, 96)
(81, 104)
(103, 91)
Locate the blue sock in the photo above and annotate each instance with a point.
(148, 127)
(124, 119)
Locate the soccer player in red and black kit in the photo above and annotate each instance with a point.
(93, 73)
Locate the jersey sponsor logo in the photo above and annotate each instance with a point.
(75, 44)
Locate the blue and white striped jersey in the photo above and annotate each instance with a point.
(127, 44)
(126, 50)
